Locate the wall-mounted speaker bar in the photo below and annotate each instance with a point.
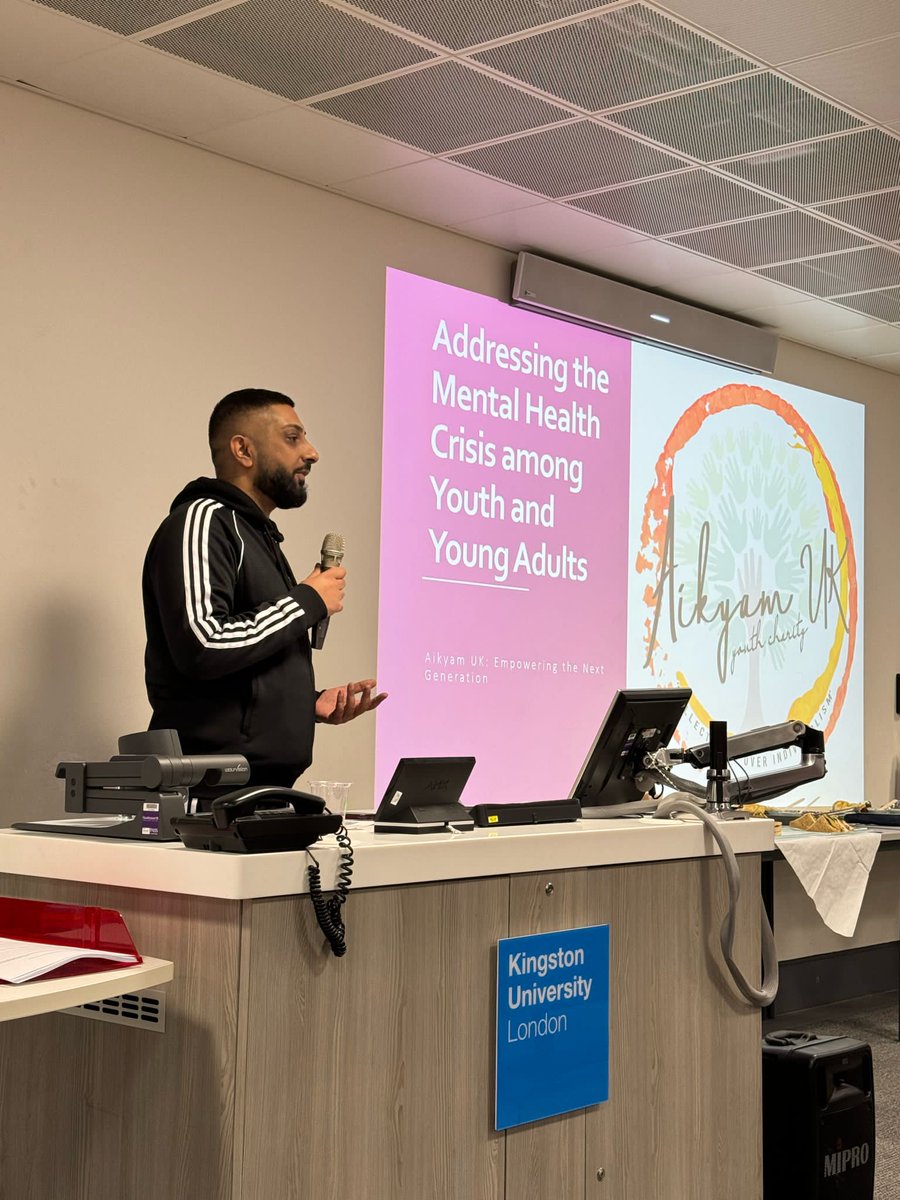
(573, 294)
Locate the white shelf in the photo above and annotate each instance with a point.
(50, 995)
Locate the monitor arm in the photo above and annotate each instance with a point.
(755, 788)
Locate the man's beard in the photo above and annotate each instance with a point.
(283, 487)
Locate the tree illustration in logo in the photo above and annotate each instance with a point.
(752, 504)
(754, 496)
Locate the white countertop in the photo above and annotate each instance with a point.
(381, 860)
(50, 995)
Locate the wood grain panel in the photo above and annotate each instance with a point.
(371, 1076)
(546, 1158)
(90, 1111)
(683, 1118)
(684, 1115)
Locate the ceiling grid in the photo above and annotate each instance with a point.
(763, 140)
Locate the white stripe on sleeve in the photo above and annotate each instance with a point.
(208, 629)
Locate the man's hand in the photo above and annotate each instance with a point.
(338, 705)
(330, 586)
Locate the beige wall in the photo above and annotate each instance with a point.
(142, 279)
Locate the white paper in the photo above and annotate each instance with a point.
(21, 961)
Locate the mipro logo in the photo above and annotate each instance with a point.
(846, 1160)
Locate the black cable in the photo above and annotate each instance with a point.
(744, 788)
(328, 912)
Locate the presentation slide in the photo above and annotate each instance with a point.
(534, 559)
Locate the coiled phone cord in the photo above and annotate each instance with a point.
(763, 997)
(328, 911)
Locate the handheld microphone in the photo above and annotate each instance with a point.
(332, 555)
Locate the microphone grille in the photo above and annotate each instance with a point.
(333, 544)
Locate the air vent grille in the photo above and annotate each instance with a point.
(883, 305)
(459, 25)
(267, 43)
(616, 58)
(842, 166)
(141, 1010)
(674, 203)
(840, 274)
(413, 108)
(767, 240)
(578, 157)
(878, 215)
(740, 117)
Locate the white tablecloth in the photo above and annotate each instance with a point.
(834, 871)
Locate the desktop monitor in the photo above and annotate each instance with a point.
(423, 796)
(639, 721)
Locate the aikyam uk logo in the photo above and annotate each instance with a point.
(750, 592)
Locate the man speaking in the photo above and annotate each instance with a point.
(228, 661)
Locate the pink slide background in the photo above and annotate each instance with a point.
(529, 729)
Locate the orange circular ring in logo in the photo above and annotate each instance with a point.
(653, 534)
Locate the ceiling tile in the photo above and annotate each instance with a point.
(739, 117)
(464, 23)
(862, 161)
(436, 192)
(307, 145)
(863, 343)
(442, 108)
(779, 33)
(841, 274)
(674, 203)
(762, 241)
(884, 305)
(35, 38)
(809, 317)
(615, 58)
(552, 230)
(862, 77)
(734, 291)
(143, 86)
(578, 157)
(878, 214)
(815, 338)
(124, 16)
(296, 50)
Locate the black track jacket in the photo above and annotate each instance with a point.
(228, 662)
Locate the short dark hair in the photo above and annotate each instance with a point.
(236, 404)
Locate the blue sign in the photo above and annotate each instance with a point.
(552, 1024)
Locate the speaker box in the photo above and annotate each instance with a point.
(575, 294)
(818, 1118)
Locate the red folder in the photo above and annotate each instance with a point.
(84, 926)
